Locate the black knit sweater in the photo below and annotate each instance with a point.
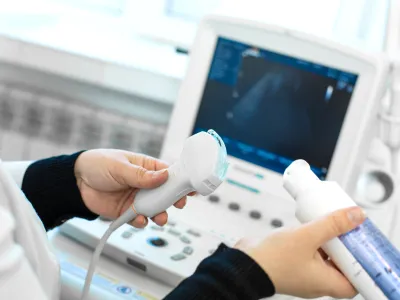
(228, 274)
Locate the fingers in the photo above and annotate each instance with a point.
(160, 219)
(321, 254)
(144, 171)
(336, 283)
(139, 177)
(334, 225)
(180, 203)
(147, 162)
(139, 222)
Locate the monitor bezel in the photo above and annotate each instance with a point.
(357, 129)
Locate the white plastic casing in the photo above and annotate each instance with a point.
(357, 130)
(144, 258)
(15, 269)
(152, 202)
(271, 200)
(315, 199)
(200, 168)
(199, 158)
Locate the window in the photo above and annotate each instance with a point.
(190, 10)
(169, 21)
(357, 22)
(107, 7)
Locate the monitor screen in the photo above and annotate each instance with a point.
(271, 109)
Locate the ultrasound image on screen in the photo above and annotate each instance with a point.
(271, 109)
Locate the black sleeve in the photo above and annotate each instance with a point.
(229, 274)
(50, 185)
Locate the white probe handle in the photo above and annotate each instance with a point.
(395, 101)
(151, 202)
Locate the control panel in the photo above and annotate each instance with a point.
(168, 254)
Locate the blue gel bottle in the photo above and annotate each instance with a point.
(364, 255)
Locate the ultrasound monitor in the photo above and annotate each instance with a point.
(276, 95)
(272, 109)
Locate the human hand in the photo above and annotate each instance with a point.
(109, 179)
(294, 261)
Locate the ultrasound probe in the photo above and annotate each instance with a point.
(201, 168)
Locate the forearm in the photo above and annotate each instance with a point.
(50, 185)
(228, 274)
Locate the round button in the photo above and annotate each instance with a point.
(127, 234)
(234, 206)
(255, 215)
(157, 242)
(276, 223)
(124, 290)
(213, 198)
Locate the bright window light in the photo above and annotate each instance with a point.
(107, 7)
(192, 10)
(174, 22)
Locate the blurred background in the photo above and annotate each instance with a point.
(80, 74)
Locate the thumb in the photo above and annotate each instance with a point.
(334, 225)
(139, 177)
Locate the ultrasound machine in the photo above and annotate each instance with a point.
(274, 95)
